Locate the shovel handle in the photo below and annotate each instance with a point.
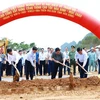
(61, 63)
(82, 68)
(16, 69)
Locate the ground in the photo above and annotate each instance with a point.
(42, 88)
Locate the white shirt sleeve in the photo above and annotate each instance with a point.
(76, 56)
(98, 54)
(31, 58)
(16, 57)
(46, 55)
(39, 55)
(9, 59)
(85, 59)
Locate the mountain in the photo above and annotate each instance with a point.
(90, 40)
(68, 45)
(89, 34)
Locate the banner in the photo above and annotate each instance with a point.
(50, 9)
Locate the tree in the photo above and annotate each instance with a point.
(24, 46)
(32, 44)
(19, 46)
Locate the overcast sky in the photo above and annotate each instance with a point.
(46, 30)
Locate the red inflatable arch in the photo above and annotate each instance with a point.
(51, 9)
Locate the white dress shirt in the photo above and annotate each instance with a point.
(13, 58)
(42, 56)
(82, 57)
(98, 54)
(24, 58)
(48, 55)
(32, 58)
(66, 55)
(76, 56)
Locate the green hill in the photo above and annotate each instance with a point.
(90, 40)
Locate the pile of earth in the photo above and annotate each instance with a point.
(25, 86)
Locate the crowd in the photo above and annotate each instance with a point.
(53, 61)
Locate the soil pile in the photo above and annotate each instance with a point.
(46, 85)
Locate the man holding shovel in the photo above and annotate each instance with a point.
(57, 57)
(13, 60)
(30, 63)
(82, 61)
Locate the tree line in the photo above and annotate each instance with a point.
(19, 46)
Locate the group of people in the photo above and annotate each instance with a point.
(51, 62)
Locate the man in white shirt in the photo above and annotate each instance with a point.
(47, 56)
(12, 58)
(98, 59)
(24, 55)
(30, 63)
(66, 56)
(82, 59)
(19, 64)
(76, 58)
(48, 60)
(42, 59)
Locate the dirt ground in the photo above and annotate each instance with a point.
(46, 89)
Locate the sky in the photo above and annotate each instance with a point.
(47, 31)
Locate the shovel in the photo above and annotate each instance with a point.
(61, 63)
(17, 74)
(35, 76)
(84, 69)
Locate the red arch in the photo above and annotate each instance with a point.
(51, 9)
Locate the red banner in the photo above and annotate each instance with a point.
(51, 9)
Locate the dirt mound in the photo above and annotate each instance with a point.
(45, 85)
(91, 81)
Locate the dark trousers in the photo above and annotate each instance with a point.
(29, 70)
(78, 67)
(37, 68)
(3, 68)
(98, 66)
(20, 67)
(42, 66)
(82, 72)
(8, 69)
(55, 69)
(13, 70)
(73, 63)
(65, 68)
(24, 69)
(0, 70)
(50, 67)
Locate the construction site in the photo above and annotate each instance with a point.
(21, 81)
(57, 89)
(43, 88)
